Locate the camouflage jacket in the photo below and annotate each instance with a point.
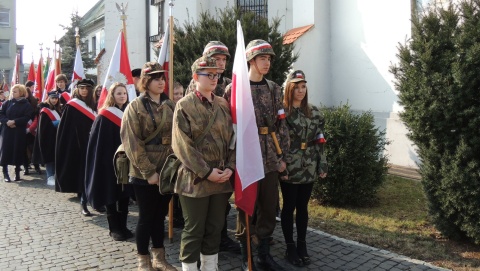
(305, 165)
(190, 119)
(219, 89)
(267, 108)
(137, 124)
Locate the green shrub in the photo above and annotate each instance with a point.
(438, 80)
(357, 165)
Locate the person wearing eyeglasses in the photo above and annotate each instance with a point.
(203, 185)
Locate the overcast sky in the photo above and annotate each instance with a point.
(39, 22)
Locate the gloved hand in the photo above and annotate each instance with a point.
(55, 123)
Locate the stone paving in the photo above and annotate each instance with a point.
(43, 230)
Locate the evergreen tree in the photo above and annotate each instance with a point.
(191, 39)
(437, 77)
(69, 46)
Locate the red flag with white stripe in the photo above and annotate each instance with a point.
(249, 156)
(78, 71)
(39, 80)
(118, 71)
(50, 80)
(164, 54)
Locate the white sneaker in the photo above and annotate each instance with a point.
(51, 180)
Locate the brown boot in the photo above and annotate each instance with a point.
(144, 263)
(159, 262)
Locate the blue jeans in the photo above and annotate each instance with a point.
(50, 167)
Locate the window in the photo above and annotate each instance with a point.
(260, 7)
(161, 17)
(94, 45)
(4, 17)
(4, 48)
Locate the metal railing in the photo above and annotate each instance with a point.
(259, 7)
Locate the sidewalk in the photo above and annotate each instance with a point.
(43, 230)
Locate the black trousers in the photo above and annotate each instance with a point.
(295, 197)
(152, 209)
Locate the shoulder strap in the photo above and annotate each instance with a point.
(162, 122)
(207, 129)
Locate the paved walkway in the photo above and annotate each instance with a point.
(43, 230)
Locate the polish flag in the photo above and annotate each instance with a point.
(249, 156)
(15, 77)
(118, 71)
(31, 72)
(164, 54)
(50, 80)
(39, 79)
(78, 71)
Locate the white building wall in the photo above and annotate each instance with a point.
(136, 34)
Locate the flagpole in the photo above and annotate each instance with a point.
(77, 36)
(249, 248)
(123, 17)
(170, 94)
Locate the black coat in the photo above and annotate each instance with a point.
(44, 147)
(13, 140)
(100, 181)
(71, 150)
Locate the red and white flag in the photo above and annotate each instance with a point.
(31, 72)
(78, 71)
(50, 80)
(15, 77)
(249, 155)
(118, 71)
(164, 54)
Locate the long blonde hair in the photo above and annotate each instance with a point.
(110, 99)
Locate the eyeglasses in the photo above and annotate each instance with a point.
(210, 76)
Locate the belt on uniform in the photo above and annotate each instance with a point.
(265, 130)
(301, 145)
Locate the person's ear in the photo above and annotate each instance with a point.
(195, 77)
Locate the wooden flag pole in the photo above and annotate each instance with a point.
(170, 95)
(249, 248)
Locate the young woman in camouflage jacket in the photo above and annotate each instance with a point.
(141, 118)
(306, 162)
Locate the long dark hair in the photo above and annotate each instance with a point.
(89, 100)
(288, 100)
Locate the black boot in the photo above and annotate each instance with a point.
(292, 256)
(302, 252)
(114, 227)
(123, 216)
(37, 169)
(244, 252)
(17, 173)
(264, 260)
(85, 211)
(6, 177)
(26, 170)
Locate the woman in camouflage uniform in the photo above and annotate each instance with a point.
(203, 183)
(141, 118)
(305, 163)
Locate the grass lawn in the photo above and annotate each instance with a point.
(399, 223)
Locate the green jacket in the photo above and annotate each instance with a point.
(137, 125)
(305, 165)
(190, 119)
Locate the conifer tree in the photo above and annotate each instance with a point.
(69, 47)
(191, 38)
(438, 80)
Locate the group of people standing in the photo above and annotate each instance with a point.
(77, 141)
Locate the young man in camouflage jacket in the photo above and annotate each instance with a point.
(270, 117)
